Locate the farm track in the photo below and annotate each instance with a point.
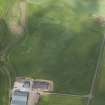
(73, 95)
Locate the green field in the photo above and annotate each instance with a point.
(101, 8)
(62, 100)
(5, 35)
(61, 45)
(5, 6)
(6, 38)
(99, 98)
(61, 42)
(4, 85)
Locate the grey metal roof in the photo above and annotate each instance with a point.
(19, 98)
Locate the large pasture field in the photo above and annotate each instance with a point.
(61, 44)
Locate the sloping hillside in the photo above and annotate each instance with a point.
(62, 44)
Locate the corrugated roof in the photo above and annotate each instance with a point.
(19, 98)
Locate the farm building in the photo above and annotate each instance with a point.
(28, 91)
(19, 98)
(42, 85)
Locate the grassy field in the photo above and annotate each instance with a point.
(99, 98)
(5, 39)
(62, 100)
(5, 6)
(5, 35)
(61, 44)
(4, 85)
(62, 41)
(101, 10)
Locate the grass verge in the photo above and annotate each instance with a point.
(62, 100)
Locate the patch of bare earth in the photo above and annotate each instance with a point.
(18, 11)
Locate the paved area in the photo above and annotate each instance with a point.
(33, 98)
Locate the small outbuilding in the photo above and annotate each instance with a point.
(19, 98)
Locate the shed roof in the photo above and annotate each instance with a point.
(19, 98)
